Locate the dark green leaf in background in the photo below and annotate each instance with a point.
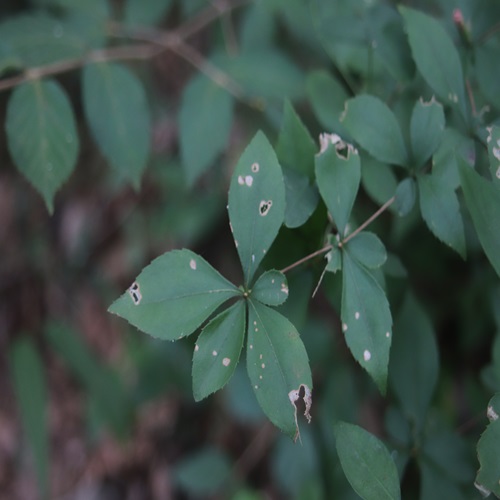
(367, 463)
(488, 476)
(42, 135)
(426, 129)
(378, 179)
(117, 112)
(28, 376)
(441, 212)
(494, 153)
(436, 57)
(256, 203)
(138, 12)
(295, 148)
(302, 198)
(174, 295)
(327, 99)
(338, 174)
(488, 72)
(414, 365)
(100, 380)
(366, 319)
(205, 119)
(271, 288)
(217, 351)
(483, 201)
(278, 367)
(374, 126)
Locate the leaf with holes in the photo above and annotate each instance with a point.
(426, 129)
(367, 463)
(174, 295)
(493, 141)
(278, 367)
(205, 118)
(483, 201)
(117, 112)
(441, 212)
(366, 319)
(436, 57)
(375, 128)
(271, 288)
(367, 249)
(28, 377)
(217, 351)
(256, 203)
(488, 476)
(338, 173)
(42, 135)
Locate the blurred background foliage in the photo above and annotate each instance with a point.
(92, 409)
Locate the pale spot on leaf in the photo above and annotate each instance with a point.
(192, 264)
(249, 180)
(344, 327)
(367, 355)
(214, 353)
(255, 167)
(356, 315)
(284, 288)
(263, 365)
(251, 346)
(491, 414)
(196, 347)
(387, 334)
(226, 361)
(241, 180)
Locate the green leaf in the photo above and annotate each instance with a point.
(493, 141)
(295, 148)
(256, 203)
(483, 201)
(435, 485)
(435, 56)
(205, 119)
(487, 72)
(267, 74)
(374, 126)
(217, 351)
(42, 135)
(117, 111)
(271, 288)
(137, 12)
(334, 260)
(100, 381)
(28, 376)
(37, 40)
(174, 295)
(366, 319)
(406, 195)
(338, 173)
(488, 476)
(98, 10)
(257, 28)
(367, 463)
(414, 365)
(327, 98)
(301, 198)
(426, 129)
(278, 367)
(204, 472)
(378, 179)
(441, 212)
(367, 249)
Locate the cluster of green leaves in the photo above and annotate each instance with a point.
(401, 116)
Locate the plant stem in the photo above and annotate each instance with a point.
(368, 221)
(326, 248)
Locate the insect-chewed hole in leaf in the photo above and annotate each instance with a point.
(284, 288)
(305, 393)
(342, 148)
(491, 414)
(264, 207)
(135, 293)
(255, 167)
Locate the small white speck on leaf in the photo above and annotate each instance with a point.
(214, 353)
(491, 414)
(260, 357)
(241, 180)
(226, 361)
(387, 334)
(293, 396)
(256, 386)
(255, 323)
(255, 167)
(263, 365)
(260, 377)
(264, 207)
(135, 293)
(251, 346)
(192, 264)
(356, 315)
(284, 288)
(344, 327)
(367, 355)
(196, 347)
(256, 330)
(249, 180)
(253, 258)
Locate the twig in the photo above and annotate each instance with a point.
(306, 258)
(471, 97)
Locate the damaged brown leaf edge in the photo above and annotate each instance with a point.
(343, 149)
(294, 395)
